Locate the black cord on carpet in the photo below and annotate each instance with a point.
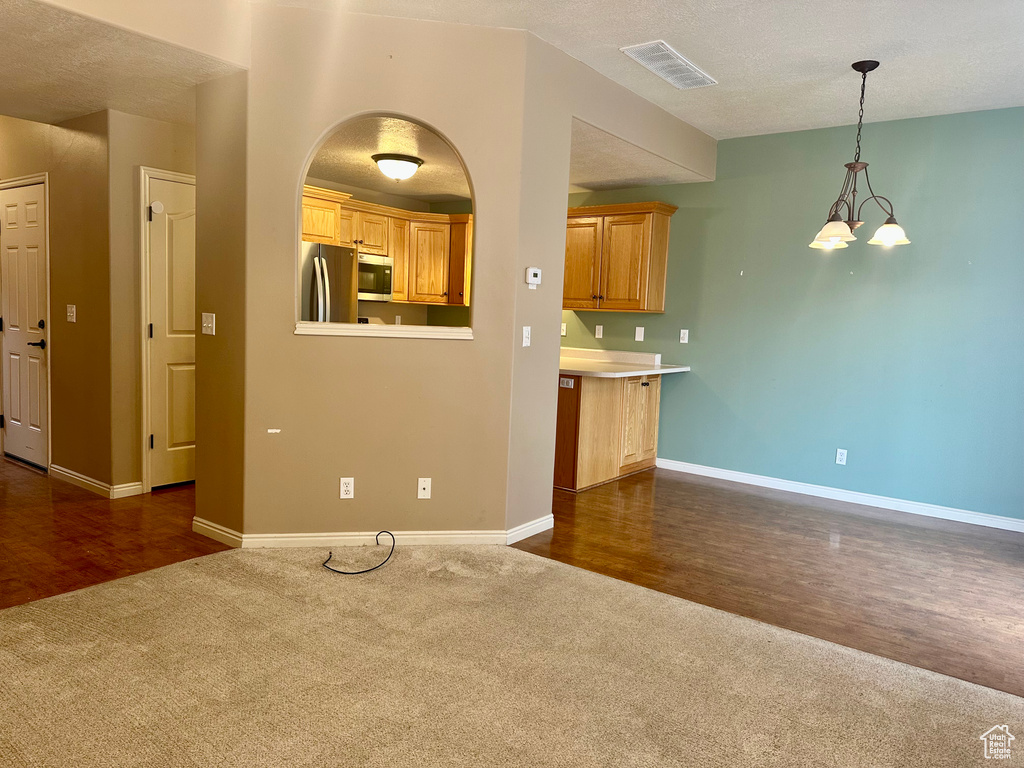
(355, 573)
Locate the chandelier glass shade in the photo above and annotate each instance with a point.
(844, 215)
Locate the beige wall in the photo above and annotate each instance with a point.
(75, 156)
(134, 141)
(476, 416)
(220, 288)
(384, 411)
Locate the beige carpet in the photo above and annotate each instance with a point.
(451, 656)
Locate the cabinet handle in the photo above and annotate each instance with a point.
(445, 293)
(594, 296)
(600, 298)
(460, 293)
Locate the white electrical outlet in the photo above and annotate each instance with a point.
(639, 335)
(563, 329)
(209, 323)
(599, 332)
(72, 313)
(398, 319)
(684, 337)
(423, 488)
(348, 488)
(526, 335)
(841, 456)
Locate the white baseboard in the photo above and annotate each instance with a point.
(357, 539)
(217, 532)
(96, 486)
(855, 497)
(531, 528)
(125, 489)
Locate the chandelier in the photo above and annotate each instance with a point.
(844, 215)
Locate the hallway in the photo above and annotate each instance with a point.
(56, 537)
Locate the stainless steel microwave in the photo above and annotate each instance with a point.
(375, 277)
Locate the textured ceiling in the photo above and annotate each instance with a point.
(602, 161)
(55, 65)
(780, 65)
(345, 159)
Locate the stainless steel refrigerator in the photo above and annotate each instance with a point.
(329, 283)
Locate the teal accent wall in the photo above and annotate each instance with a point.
(910, 358)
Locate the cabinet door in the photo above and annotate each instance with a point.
(346, 228)
(398, 249)
(460, 266)
(625, 261)
(649, 428)
(320, 221)
(631, 420)
(581, 284)
(428, 262)
(372, 233)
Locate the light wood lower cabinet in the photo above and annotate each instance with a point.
(606, 428)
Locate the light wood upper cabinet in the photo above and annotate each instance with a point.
(618, 254)
(371, 233)
(460, 259)
(432, 252)
(582, 284)
(429, 247)
(625, 262)
(398, 249)
(320, 220)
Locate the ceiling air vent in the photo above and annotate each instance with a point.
(666, 63)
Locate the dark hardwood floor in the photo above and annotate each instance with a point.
(56, 537)
(944, 596)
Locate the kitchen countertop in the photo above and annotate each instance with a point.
(612, 364)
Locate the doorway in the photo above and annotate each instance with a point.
(25, 308)
(168, 297)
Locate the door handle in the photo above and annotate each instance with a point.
(41, 344)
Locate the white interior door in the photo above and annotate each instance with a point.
(24, 304)
(172, 348)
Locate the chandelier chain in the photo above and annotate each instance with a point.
(860, 116)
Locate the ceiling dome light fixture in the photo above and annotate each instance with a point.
(837, 232)
(397, 167)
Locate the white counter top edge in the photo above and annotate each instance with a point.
(577, 367)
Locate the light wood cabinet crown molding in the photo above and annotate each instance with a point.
(624, 208)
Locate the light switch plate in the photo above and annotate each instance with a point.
(684, 337)
(599, 332)
(209, 323)
(72, 313)
(563, 329)
(526, 335)
(639, 335)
